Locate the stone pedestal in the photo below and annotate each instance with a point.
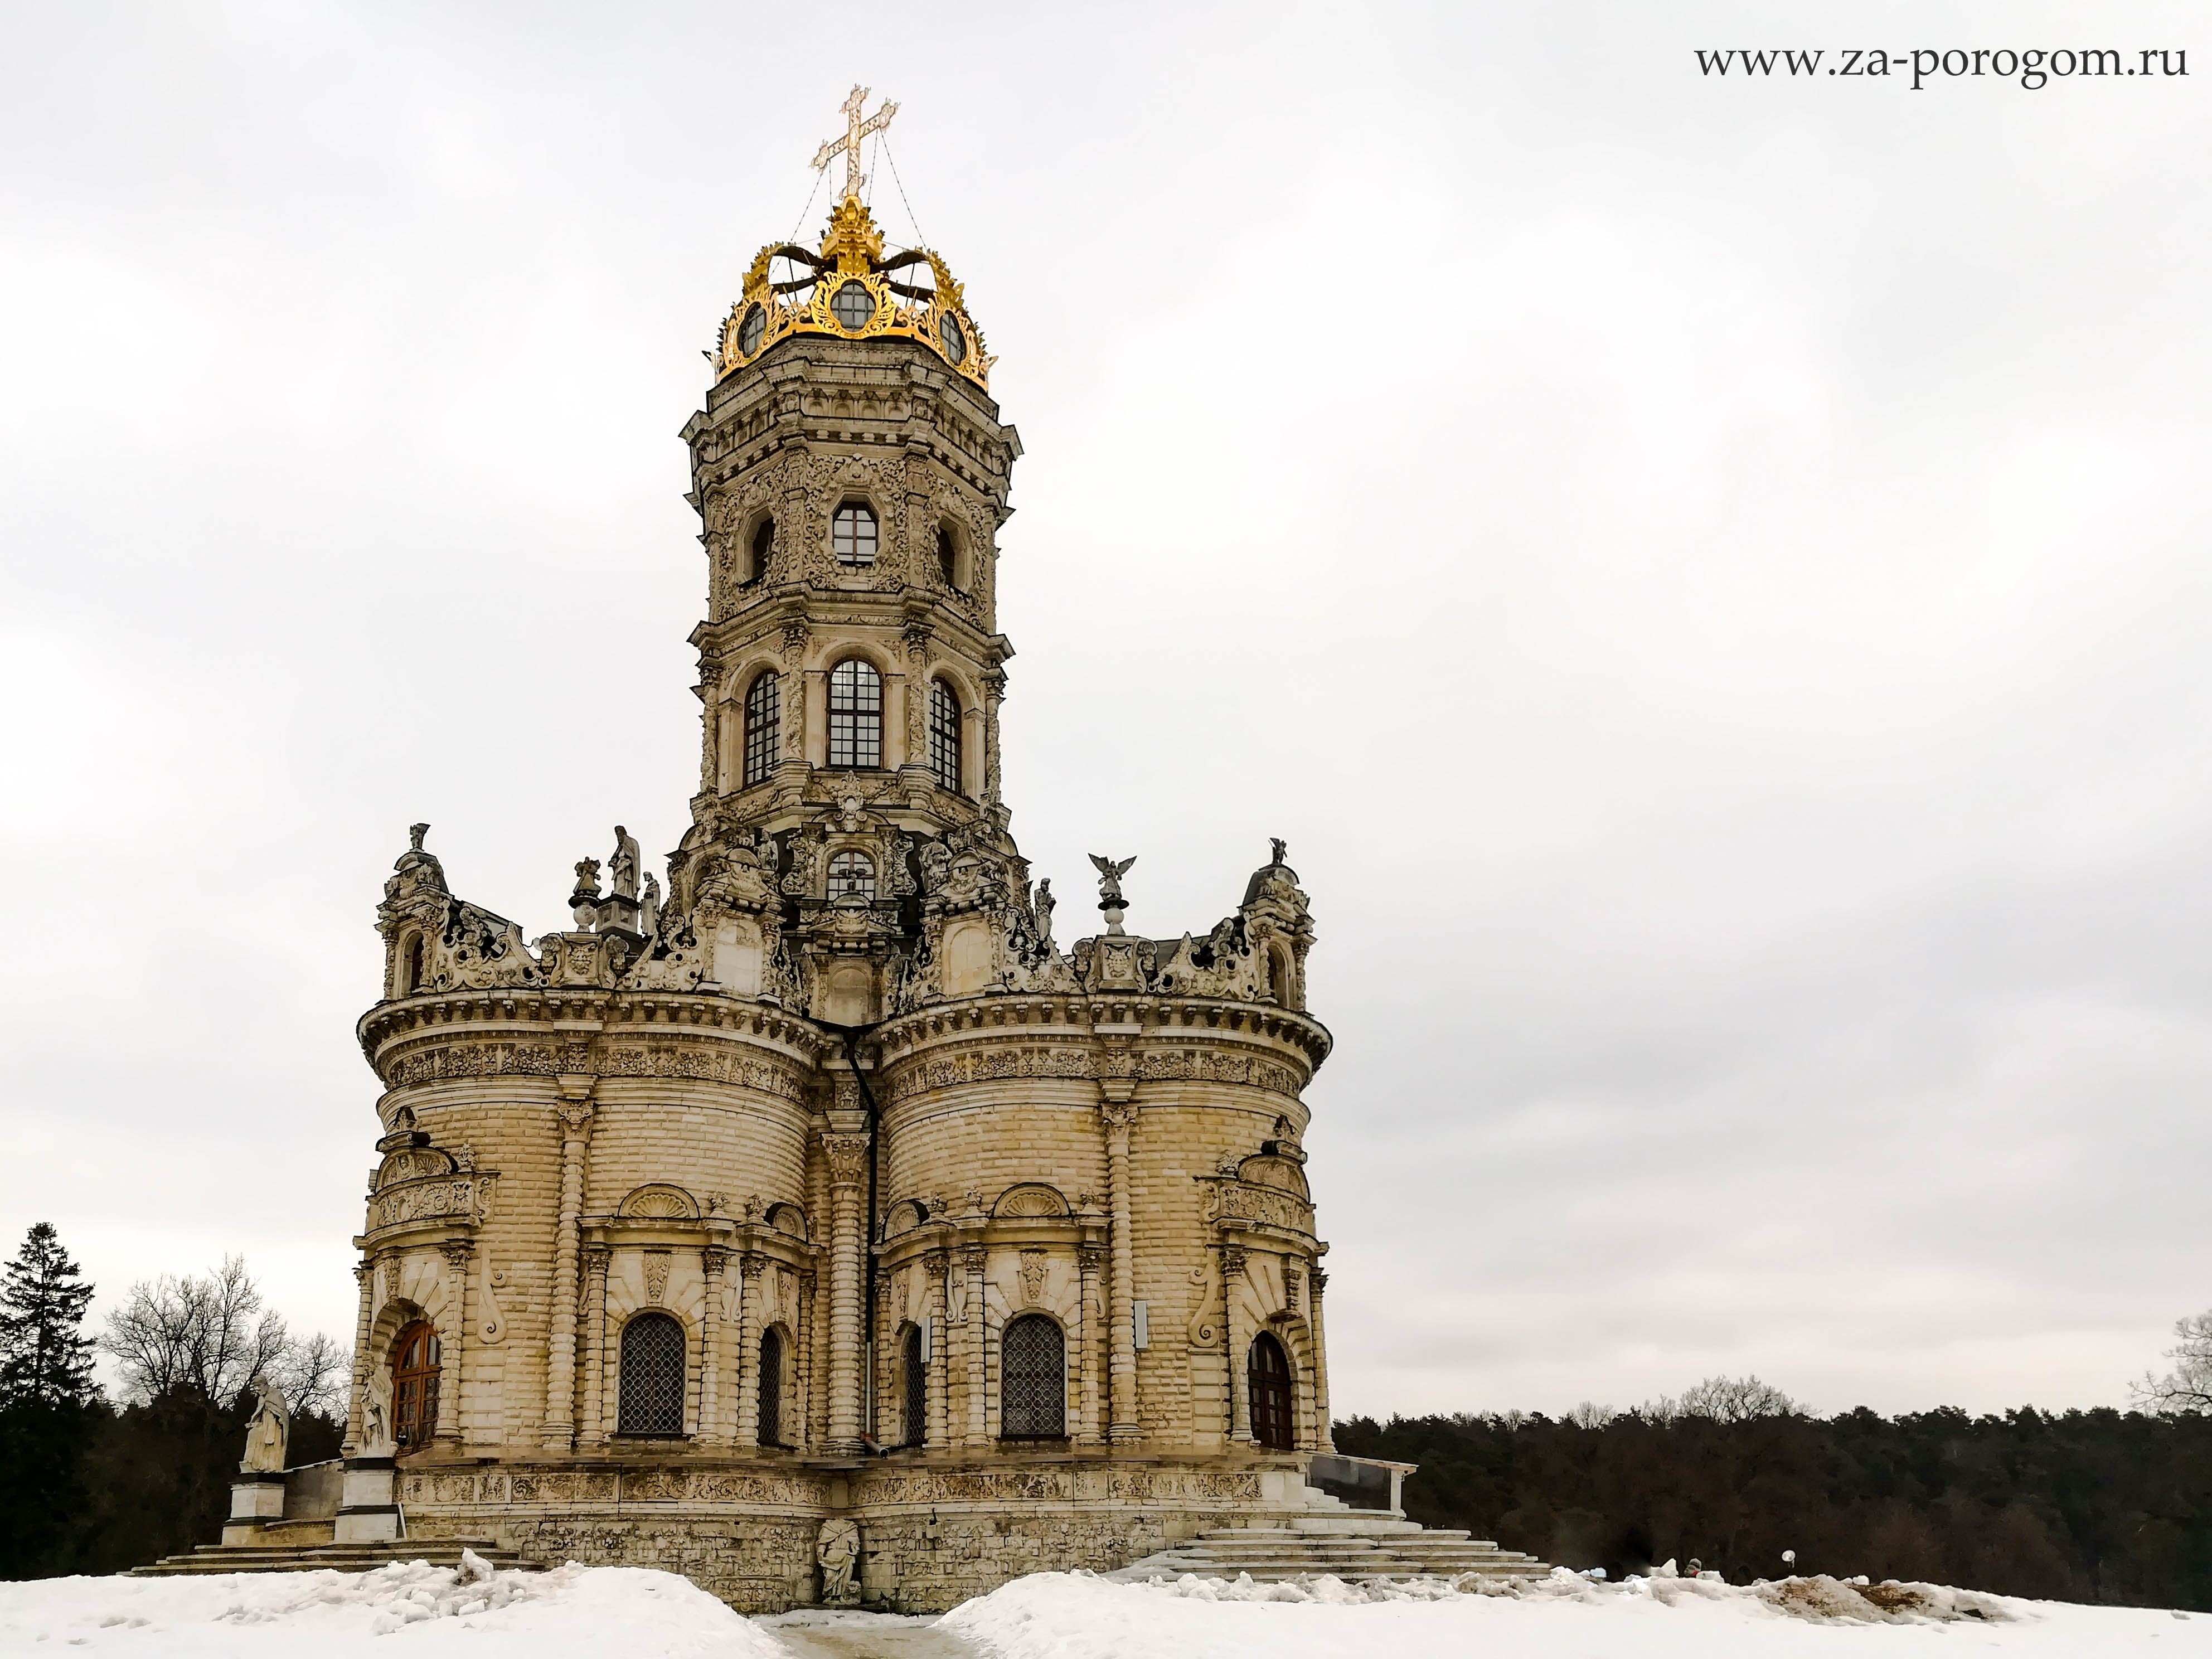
(256, 1499)
(369, 1511)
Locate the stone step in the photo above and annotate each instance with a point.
(342, 1557)
(1392, 1550)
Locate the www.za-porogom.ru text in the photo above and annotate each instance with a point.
(2033, 67)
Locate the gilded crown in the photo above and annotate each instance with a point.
(850, 290)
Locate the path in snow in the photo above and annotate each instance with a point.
(813, 1633)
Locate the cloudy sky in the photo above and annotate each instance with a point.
(1710, 578)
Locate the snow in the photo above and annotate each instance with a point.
(1077, 1616)
(402, 1610)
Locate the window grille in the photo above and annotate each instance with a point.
(852, 872)
(771, 1387)
(856, 714)
(1032, 1380)
(652, 1375)
(414, 1386)
(764, 703)
(853, 534)
(1269, 1375)
(917, 1389)
(944, 736)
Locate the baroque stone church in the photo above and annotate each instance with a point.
(816, 1224)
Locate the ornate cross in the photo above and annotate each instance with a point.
(855, 130)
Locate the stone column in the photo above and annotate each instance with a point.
(816, 716)
(592, 1430)
(574, 1112)
(453, 1344)
(847, 1158)
(940, 1365)
(1089, 1258)
(365, 1275)
(1121, 1424)
(749, 1265)
(799, 1413)
(1324, 1436)
(994, 693)
(712, 1259)
(972, 1260)
(1240, 1396)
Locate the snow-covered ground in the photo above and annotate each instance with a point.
(624, 1612)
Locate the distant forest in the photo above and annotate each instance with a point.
(2101, 1506)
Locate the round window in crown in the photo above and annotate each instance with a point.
(853, 306)
(751, 330)
(953, 337)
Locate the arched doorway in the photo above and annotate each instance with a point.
(1268, 1373)
(414, 1386)
(1032, 1380)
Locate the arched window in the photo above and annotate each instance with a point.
(944, 736)
(763, 545)
(414, 1386)
(652, 1375)
(771, 1387)
(856, 714)
(1278, 974)
(853, 873)
(853, 534)
(410, 967)
(917, 1389)
(948, 556)
(1268, 1372)
(763, 702)
(1032, 1380)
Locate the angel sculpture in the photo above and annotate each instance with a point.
(1110, 878)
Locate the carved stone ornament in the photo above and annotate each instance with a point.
(656, 1278)
(848, 1157)
(1034, 1268)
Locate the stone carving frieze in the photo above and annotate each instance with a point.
(706, 1062)
(949, 1070)
(1240, 1200)
(455, 1198)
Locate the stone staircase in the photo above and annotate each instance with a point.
(307, 1552)
(1352, 1545)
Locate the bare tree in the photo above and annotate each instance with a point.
(208, 1335)
(1590, 1415)
(316, 1374)
(1721, 1399)
(2188, 1386)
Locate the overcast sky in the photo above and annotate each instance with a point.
(1710, 578)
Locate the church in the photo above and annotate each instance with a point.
(814, 1222)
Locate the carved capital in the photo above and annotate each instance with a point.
(934, 1264)
(973, 1258)
(847, 1156)
(752, 1264)
(712, 1258)
(1089, 1257)
(1319, 1281)
(456, 1252)
(1232, 1261)
(596, 1257)
(576, 1118)
(1118, 1115)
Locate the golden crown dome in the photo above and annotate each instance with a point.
(850, 291)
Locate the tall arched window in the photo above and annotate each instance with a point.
(856, 714)
(410, 967)
(948, 556)
(771, 1387)
(652, 1375)
(853, 534)
(917, 1388)
(414, 1386)
(764, 546)
(944, 736)
(852, 873)
(1032, 1380)
(764, 703)
(1268, 1373)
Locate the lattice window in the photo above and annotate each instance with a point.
(414, 1386)
(853, 534)
(771, 1387)
(944, 736)
(764, 703)
(856, 714)
(1268, 1374)
(652, 1381)
(852, 873)
(917, 1389)
(1032, 1380)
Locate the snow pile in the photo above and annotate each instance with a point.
(1079, 1616)
(408, 1607)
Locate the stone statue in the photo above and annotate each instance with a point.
(624, 866)
(936, 860)
(1110, 880)
(414, 834)
(648, 911)
(587, 878)
(837, 1551)
(1044, 903)
(267, 1431)
(376, 1439)
(1276, 841)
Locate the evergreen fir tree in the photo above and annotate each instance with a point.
(45, 1357)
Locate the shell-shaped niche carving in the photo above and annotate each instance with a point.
(1282, 1174)
(787, 1219)
(904, 1217)
(1031, 1199)
(410, 1163)
(659, 1201)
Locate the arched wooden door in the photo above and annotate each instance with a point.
(1269, 1375)
(414, 1386)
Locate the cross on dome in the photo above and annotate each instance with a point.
(855, 130)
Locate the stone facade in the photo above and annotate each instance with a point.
(830, 1117)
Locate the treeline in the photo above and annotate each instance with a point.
(91, 1486)
(2099, 1506)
